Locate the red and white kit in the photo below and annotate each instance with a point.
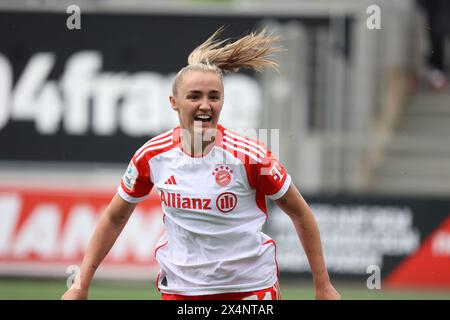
(214, 209)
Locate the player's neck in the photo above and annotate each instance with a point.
(196, 145)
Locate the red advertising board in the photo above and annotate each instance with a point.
(46, 231)
(429, 266)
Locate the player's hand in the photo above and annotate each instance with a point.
(75, 294)
(327, 292)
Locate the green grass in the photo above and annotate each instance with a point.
(50, 289)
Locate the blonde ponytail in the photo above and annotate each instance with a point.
(251, 51)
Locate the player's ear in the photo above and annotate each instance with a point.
(173, 103)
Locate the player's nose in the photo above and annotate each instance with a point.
(204, 105)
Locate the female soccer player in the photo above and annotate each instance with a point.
(212, 183)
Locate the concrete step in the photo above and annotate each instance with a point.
(417, 159)
(424, 130)
(435, 186)
(423, 166)
(419, 110)
(414, 145)
(426, 125)
(429, 104)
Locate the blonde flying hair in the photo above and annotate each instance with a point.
(251, 51)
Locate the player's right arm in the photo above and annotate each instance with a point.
(109, 227)
(134, 187)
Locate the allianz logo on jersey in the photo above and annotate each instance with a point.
(225, 202)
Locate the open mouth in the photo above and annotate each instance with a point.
(203, 118)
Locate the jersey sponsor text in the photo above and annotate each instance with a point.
(175, 200)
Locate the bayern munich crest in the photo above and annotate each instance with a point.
(223, 175)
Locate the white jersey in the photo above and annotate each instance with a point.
(214, 209)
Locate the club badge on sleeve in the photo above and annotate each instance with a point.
(130, 176)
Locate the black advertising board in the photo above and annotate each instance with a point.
(98, 93)
(406, 239)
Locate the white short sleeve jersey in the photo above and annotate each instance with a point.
(214, 209)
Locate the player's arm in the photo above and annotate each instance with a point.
(301, 215)
(108, 228)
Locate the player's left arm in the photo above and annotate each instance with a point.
(302, 217)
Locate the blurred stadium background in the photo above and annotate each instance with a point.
(361, 133)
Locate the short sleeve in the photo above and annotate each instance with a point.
(271, 178)
(136, 183)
